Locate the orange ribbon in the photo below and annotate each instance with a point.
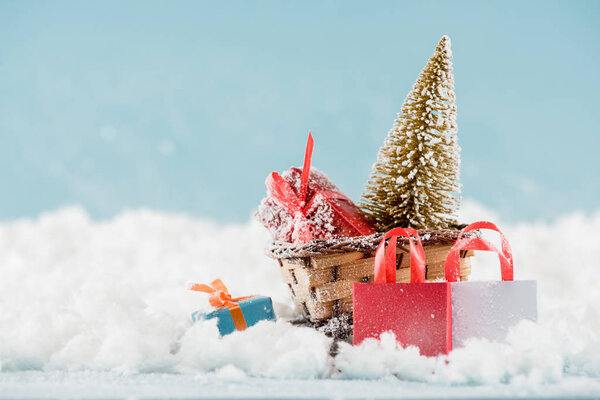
(220, 297)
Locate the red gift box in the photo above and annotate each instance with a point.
(304, 205)
(418, 313)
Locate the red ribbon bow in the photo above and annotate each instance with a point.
(297, 204)
(220, 297)
(294, 203)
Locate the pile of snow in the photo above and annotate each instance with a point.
(78, 294)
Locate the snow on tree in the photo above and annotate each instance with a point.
(415, 181)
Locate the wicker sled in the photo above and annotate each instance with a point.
(320, 274)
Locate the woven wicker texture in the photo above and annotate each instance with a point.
(365, 244)
(320, 274)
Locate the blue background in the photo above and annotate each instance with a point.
(187, 106)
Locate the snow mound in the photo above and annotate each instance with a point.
(78, 294)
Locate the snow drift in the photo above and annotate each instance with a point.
(78, 294)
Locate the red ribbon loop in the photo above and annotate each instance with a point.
(293, 203)
(385, 261)
(306, 169)
(220, 297)
(281, 190)
(452, 265)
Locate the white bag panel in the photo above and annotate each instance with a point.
(489, 309)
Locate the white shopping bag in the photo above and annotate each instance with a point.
(487, 309)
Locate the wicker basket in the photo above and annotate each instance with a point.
(320, 274)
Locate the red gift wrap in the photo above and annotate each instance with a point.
(303, 205)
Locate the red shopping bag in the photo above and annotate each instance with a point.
(418, 313)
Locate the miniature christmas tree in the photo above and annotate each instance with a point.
(414, 182)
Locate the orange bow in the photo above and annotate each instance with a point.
(220, 297)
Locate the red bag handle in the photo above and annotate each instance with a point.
(385, 261)
(452, 265)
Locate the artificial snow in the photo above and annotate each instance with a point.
(94, 301)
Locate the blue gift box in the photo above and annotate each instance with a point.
(255, 309)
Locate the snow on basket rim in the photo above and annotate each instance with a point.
(367, 244)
